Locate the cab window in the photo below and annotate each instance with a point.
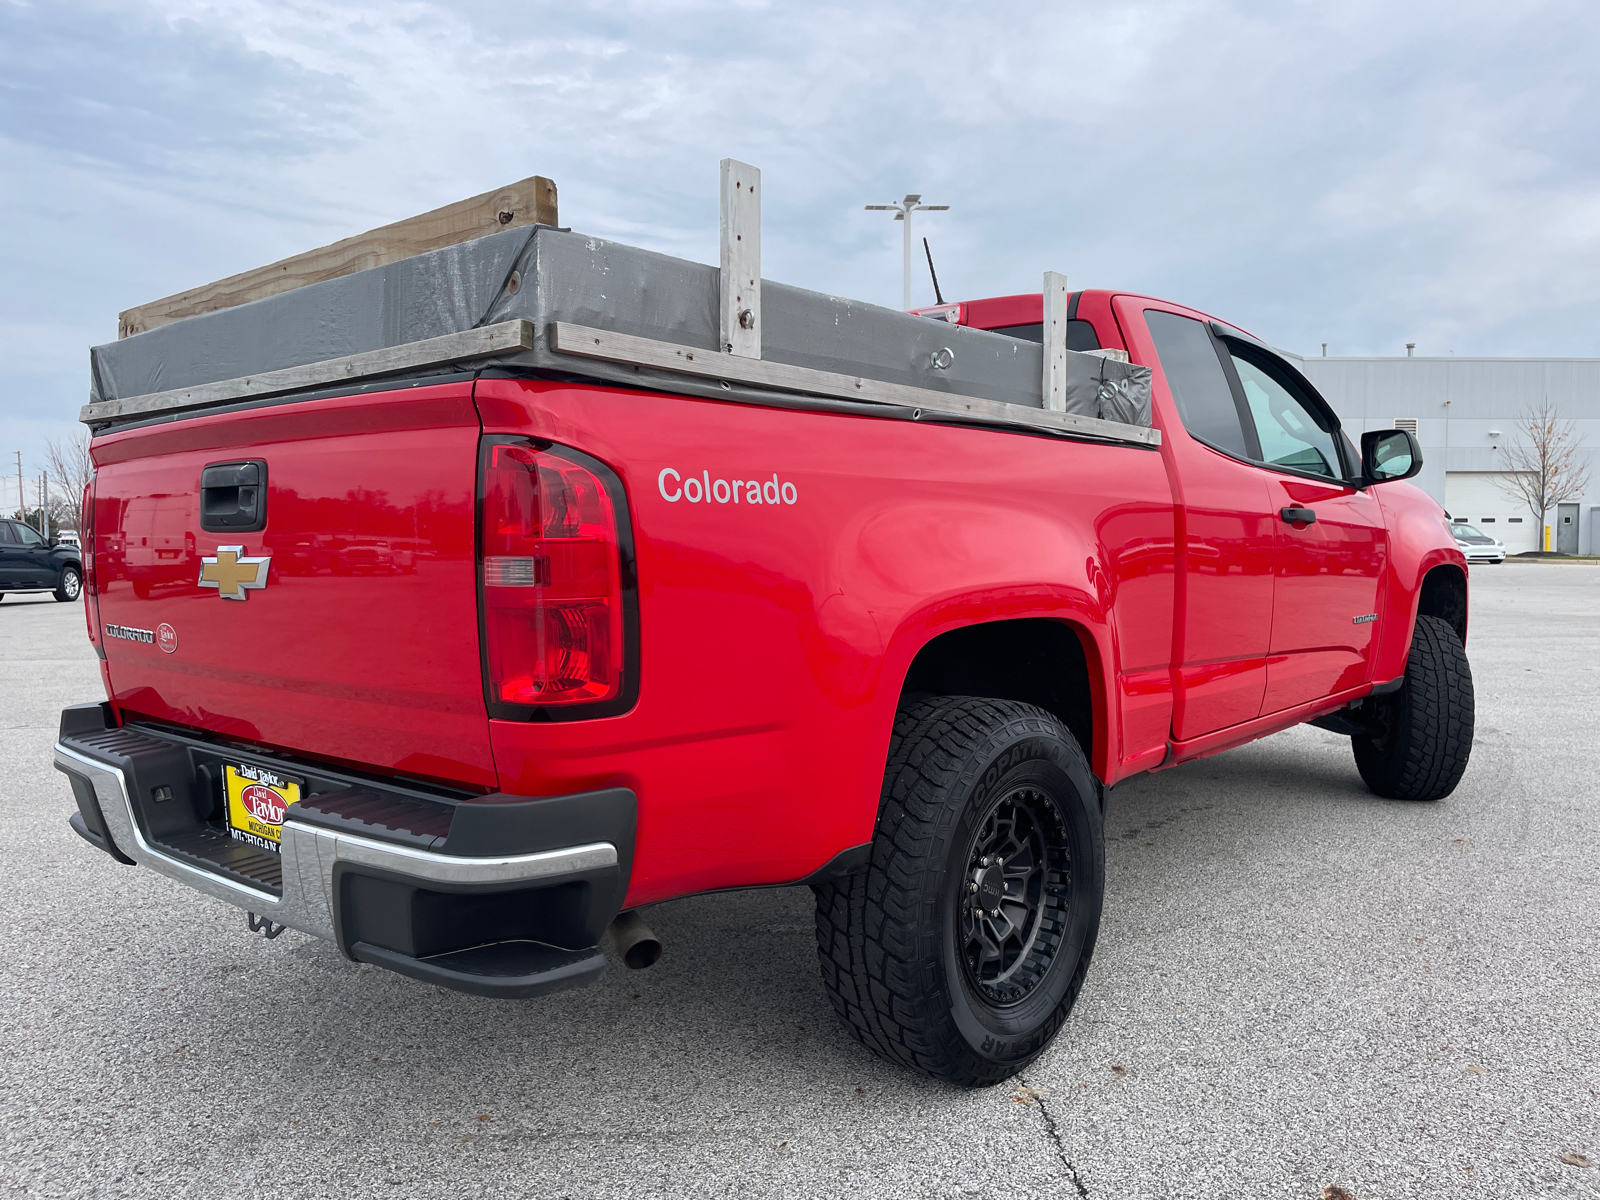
(27, 535)
(1196, 379)
(1080, 334)
(1293, 434)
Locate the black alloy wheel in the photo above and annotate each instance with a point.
(1018, 891)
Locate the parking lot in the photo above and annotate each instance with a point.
(1297, 985)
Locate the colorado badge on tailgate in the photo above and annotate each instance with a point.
(256, 800)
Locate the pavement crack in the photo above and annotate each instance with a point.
(1061, 1149)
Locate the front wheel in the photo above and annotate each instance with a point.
(1424, 730)
(961, 948)
(70, 585)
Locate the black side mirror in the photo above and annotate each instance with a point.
(1388, 455)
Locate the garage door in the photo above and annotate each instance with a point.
(1477, 498)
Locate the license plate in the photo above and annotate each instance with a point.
(256, 800)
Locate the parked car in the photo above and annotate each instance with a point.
(1478, 546)
(742, 622)
(31, 563)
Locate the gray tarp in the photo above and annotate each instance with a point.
(544, 275)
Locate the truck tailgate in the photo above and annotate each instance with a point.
(358, 640)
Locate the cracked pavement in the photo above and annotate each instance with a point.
(1298, 986)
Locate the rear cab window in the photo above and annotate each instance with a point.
(1198, 382)
(1080, 334)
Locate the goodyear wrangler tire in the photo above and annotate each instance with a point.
(1426, 726)
(961, 948)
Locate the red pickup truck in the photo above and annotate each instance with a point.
(651, 643)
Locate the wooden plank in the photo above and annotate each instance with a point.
(527, 202)
(507, 337)
(1055, 341)
(582, 341)
(741, 259)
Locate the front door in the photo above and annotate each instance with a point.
(1332, 544)
(12, 557)
(35, 567)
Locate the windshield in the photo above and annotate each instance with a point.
(1465, 531)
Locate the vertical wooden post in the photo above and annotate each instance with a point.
(741, 259)
(1055, 341)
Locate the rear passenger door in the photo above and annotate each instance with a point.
(1224, 616)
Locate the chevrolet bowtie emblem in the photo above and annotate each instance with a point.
(230, 572)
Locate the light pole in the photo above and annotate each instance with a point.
(902, 212)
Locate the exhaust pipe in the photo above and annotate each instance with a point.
(634, 941)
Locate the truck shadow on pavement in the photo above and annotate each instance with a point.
(735, 1000)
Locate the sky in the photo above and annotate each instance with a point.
(1360, 173)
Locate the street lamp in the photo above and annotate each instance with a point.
(902, 212)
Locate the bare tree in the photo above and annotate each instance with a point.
(67, 463)
(1546, 470)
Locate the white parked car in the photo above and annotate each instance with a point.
(67, 537)
(1479, 547)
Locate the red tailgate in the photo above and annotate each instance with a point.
(361, 642)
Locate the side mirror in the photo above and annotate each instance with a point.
(1388, 455)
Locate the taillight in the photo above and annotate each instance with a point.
(86, 534)
(555, 570)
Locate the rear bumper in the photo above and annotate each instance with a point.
(520, 915)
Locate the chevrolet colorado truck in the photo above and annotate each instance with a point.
(658, 640)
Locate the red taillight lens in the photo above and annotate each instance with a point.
(551, 562)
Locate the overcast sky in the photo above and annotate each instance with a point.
(1360, 173)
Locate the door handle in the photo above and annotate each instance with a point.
(1298, 516)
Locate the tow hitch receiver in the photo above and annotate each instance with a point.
(264, 926)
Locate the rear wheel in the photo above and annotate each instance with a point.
(1424, 734)
(70, 585)
(961, 948)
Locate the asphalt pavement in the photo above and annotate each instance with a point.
(1298, 987)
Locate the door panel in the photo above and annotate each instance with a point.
(11, 557)
(1228, 528)
(1228, 576)
(1567, 529)
(35, 565)
(1326, 595)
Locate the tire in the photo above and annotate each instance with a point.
(1426, 736)
(901, 943)
(70, 586)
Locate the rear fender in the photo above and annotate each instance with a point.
(1071, 598)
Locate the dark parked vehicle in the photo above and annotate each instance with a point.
(29, 563)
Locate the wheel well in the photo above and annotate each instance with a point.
(1035, 661)
(1444, 594)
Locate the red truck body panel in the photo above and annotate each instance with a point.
(790, 567)
(775, 638)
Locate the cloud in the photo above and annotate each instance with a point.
(1364, 173)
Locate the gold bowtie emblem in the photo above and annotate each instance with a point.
(230, 572)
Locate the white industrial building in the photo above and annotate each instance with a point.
(1467, 411)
